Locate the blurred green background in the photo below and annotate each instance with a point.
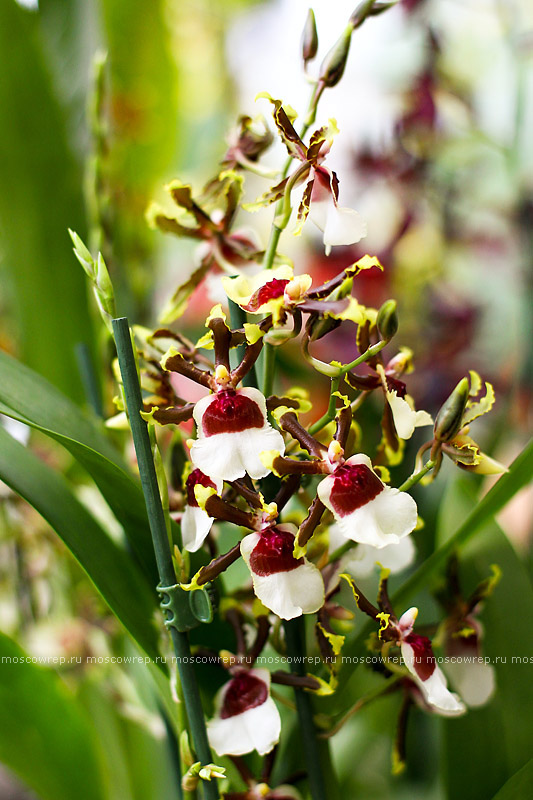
(436, 119)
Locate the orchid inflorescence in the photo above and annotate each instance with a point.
(315, 509)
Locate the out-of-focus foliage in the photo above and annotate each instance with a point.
(447, 192)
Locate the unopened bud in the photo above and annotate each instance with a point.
(450, 417)
(309, 37)
(332, 67)
(387, 320)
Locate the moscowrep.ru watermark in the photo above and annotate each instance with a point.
(262, 660)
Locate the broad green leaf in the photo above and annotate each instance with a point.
(504, 736)
(519, 786)
(108, 566)
(42, 197)
(45, 736)
(497, 730)
(28, 397)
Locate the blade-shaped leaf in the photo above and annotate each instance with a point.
(108, 566)
(28, 397)
(45, 736)
(502, 733)
(519, 786)
(45, 197)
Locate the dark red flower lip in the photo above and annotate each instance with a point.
(424, 659)
(273, 553)
(245, 691)
(353, 486)
(270, 291)
(196, 478)
(231, 412)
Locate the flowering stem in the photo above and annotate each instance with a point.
(156, 518)
(269, 363)
(330, 413)
(294, 633)
(237, 319)
(417, 476)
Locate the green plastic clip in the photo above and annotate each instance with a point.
(185, 610)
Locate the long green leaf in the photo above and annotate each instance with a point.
(42, 196)
(45, 736)
(519, 786)
(28, 397)
(108, 566)
(498, 730)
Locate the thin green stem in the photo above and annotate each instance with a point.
(156, 517)
(417, 476)
(237, 319)
(269, 363)
(329, 416)
(294, 636)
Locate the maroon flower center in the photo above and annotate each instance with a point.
(231, 412)
(270, 291)
(245, 691)
(196, 477)
(394, 385)
(424, 660)
(274, 553)
(354, 485)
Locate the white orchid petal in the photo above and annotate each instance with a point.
(288, 594)
(343, 226)
(218, 457)
(474, 680)
(362, 560)
(388, 517)
(406, 419)
(229, 455)
(195, 526)
(255, 728)
(434, 690)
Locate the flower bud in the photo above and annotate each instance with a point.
(309, 37)
(332, 67)
(387, 320)
(450, 417)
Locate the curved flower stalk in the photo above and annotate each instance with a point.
(399, 415)
(246, 717)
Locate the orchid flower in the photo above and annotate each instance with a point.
(365, 509)
(286, 585)
(246, 717)
(195, 522)
(419, 659)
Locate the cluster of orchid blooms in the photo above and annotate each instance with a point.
(250, 445)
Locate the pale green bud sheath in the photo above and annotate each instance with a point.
(387, 320)
(450, 416)
(332, 67)
(309, 38)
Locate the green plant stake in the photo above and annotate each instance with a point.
(181, 614)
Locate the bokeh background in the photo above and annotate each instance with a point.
(436, 121)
